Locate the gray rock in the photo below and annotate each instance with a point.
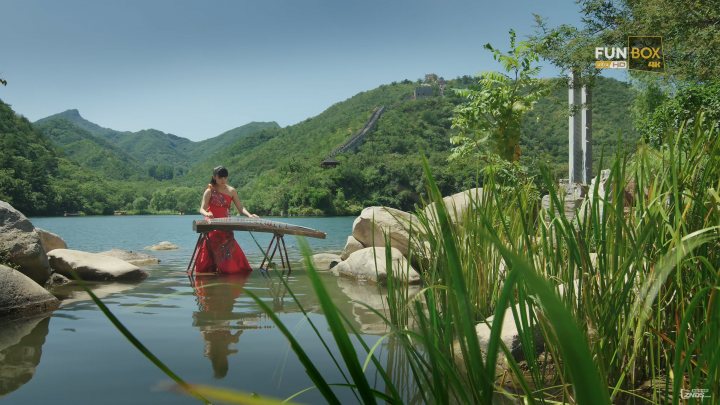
(374, 222)
(20, 244)
(457, 205)
(571, 198)
(57, 280)
(369, 264)
(50, 241)
(93, 266)
(603, 192)
(136, 258)
(164, 245)
(508, 335)
(352, 245)
(22, 297)
(325, 261)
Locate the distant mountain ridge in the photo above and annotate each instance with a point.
(146, 153)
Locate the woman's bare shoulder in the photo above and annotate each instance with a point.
(232, 190)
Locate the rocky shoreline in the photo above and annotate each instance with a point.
(34, 261)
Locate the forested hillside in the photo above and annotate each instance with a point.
(27, 163)
(133, 155)
(38, 179)
(92, 152)
(277, 170)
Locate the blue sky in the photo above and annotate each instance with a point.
(199, 68)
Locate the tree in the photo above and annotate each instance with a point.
(494, 108)
(689, 31)
(187, 199)
(163, 200)
(141, 204)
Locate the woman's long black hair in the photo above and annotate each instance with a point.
(219, 171)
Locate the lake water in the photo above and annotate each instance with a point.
(210, 333)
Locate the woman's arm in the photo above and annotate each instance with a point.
(205, 204)
(242, 210)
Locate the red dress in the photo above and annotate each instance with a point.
(219, 252)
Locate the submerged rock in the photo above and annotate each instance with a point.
(325, 261)
(22, 297)
(20, 244)
(50, 241)
(72, 293)
(361, 295)
(369, 264)
(164, 245)
(138, 259)
(93, 266)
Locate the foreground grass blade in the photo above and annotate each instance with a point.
(588, 385)
(310, 368)
(231, 396)
(336, 327)
(462, 310)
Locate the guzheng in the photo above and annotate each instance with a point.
(254, 225)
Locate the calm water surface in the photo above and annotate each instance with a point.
(208, 333)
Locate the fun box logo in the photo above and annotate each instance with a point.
(642, 53)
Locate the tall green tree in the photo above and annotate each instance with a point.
(494, 108)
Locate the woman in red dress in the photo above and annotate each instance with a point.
(219, 252)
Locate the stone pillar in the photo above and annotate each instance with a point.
(580, 131)
(587, 134)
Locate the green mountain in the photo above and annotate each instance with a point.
(37, 179)
(92, 152)
(278, 171)
(133, 155)
(209, 147)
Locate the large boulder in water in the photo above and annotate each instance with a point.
(370, 264)
(374, 223)
(93, 266)
(351, 246)
(325, 261)
(138, 259)
(20, 244)
(456, 205)
(50, 241)
(22, 297)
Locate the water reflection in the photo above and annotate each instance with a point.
(219, 326)
(21, 344)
